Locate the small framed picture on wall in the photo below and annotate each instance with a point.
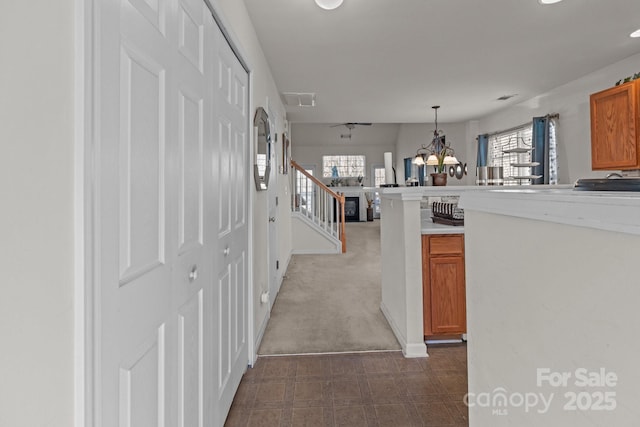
(285, 154)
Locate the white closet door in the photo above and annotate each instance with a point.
(135, 212)
(231, 98)
(193, 272)
(170, 339)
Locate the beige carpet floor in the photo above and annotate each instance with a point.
(331, 303)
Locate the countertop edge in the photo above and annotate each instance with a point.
(619, 212)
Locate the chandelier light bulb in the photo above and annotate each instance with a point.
(450, 160)
(432, 160)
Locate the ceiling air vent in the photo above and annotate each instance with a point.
(295, 99)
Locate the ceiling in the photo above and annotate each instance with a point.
(389, 61)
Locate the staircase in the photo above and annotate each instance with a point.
(319, 209)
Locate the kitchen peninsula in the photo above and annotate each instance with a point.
(556, 292)
(401, 228)
(551, 285)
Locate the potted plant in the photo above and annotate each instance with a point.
(369, 197)
(441, 159)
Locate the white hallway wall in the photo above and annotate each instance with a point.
(36, 181)
(37, 171)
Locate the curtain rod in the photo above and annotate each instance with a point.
(550, 116)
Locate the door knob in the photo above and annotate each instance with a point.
(272, 219)
(193, 274)
(226, 251)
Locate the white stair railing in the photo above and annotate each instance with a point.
(318, 203)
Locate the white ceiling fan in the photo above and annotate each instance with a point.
(350, 126)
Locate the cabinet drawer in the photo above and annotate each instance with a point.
(445, 245)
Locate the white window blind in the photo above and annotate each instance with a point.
(516, 138)
(379, 178)
(346, 166)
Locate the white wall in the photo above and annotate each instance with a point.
(236, 17)
(578, 309)
(310, 241)
(414, 135)
(571, 101)
(36, 181)
(311, 141)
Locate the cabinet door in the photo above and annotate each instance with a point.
(613, 128)
(448, 304)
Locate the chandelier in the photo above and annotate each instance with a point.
(437, 153)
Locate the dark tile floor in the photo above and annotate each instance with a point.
(360, 389)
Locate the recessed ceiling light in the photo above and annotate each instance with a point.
(329, 4)
(548, 1)
(636, 33)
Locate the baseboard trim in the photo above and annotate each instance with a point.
(416, 350)
(410, 351)
(315, 251)
(329, 353)
(260, 335)
(285, 267)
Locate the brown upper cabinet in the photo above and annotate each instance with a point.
(614, 128)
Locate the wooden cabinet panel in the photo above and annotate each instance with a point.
(443, 281)
(448, 300)
(444, 245)
(614, 128)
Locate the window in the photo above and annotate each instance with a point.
(379, 177)
(343, 166)
(517, 138)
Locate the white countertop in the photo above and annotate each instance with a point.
(427, 226)
(417, 193)
(604, 210)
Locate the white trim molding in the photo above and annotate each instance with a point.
(409, 350)
(84, 211)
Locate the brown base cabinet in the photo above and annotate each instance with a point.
(443, 284)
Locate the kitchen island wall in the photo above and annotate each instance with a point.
(551, 301)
